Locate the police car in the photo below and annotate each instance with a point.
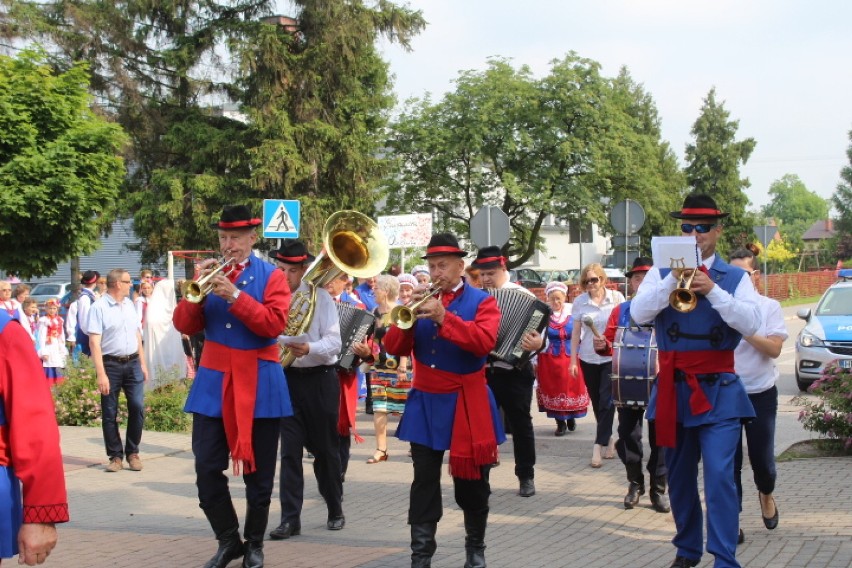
(827, 336)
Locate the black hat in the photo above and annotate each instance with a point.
(699, 206)
(443, 244)
(293, 251)
(640, 264)
(236, 217)
(489, 257)
(89, 277)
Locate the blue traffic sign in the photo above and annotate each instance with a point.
(281, 218)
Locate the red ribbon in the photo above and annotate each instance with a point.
(292, 259)
(486, 260)
(438, 250)
(708, 212)
(238, 224)
(640, 268)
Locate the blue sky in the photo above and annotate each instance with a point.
(782, 67)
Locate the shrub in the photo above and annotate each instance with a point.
(78, 402)
(832, 415)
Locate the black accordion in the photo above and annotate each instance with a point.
(355, 325)
(521, 313)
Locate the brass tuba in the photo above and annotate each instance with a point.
(352, 244)
(682, 298)
(195, 291)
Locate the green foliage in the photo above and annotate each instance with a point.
(842, 198)
(59, 165)
(561, 145)
(78, 402)
(780, 257)
(832, 415)
(792, 201)
(713, 167)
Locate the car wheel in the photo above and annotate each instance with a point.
(803, 384)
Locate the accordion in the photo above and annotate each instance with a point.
(355, 325)
(521, 312)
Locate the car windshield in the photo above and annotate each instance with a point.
(836, 302)
(46, 290)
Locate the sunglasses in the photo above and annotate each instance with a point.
(699, 228)
(593, 280)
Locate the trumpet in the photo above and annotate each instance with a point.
(682, 298)
(196, 290)
(404, 317)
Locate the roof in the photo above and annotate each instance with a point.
(822, 229)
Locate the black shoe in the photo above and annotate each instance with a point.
(572, 424)
(741, 537)
(527, 488)
(285, 530)
(659, 499)
(634, 491)
(561, 428)
(770, 522)
(683, 562)
(336, 523)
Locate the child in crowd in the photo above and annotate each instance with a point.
(29, 318)
(51, 342)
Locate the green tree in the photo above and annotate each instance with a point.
(564, 145)
(842, 197)
(794, 208)
(59, 165)
(713, 167)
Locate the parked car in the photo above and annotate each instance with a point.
(527, 277)
(827, 336)
(566, 276)
(46, 290)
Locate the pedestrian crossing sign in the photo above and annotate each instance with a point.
(281, 218)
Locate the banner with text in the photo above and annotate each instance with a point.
(407, 231)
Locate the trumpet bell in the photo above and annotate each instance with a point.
(683, 300)
(402, 317)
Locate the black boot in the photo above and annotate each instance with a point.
(637, 484)
(474, 540)
(226, 526)
(423, 544)
(256, 519)
(659, 499)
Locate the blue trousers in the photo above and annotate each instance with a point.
(714, 445)
(760, 435)
(128, 377)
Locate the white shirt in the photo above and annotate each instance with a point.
(739, 311)
(757, 371)
(323, 333)
(600, 314)
(84, 303)
(71, 323)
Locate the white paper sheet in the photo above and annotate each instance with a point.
(668, 250)
(290, 340)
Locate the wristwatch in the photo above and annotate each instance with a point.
(235, 295)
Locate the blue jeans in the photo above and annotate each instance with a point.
(760, 435)
(127, 377)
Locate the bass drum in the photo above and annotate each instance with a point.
(634, 366)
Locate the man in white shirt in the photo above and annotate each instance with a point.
(315, 394)
(87, 297)
(512, 387)
(700, 402)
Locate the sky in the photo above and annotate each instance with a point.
(783, 68)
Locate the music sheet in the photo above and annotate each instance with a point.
(683, 251)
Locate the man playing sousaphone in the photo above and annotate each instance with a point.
(450, 406)
(699, 401)
(239, 394)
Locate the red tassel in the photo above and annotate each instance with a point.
(464, 468)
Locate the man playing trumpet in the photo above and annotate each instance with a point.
(700, 402)
(239, 394)
(450, 406)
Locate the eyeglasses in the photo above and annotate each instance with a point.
(127, 282)
(699, 228)
(593, 280)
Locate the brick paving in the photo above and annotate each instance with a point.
(151, 518)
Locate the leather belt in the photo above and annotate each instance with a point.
(711, 378)
(121, 358)
(300, 371)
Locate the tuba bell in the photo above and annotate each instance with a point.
(352, 244)
(682, 298)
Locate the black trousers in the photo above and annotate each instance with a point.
(425, 503)
(315, 394)
(598, 383)
(513, 390)
(210, 447)
(629, 443)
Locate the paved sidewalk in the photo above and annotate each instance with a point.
(151, 518)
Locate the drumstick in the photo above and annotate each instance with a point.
(590, 321)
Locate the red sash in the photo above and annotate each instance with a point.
(348, 400)
(239, 392)
(473, 442)
(692, 363)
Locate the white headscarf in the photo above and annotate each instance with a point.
(163, 348)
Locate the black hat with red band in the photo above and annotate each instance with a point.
(640, 264)
(292, 251)
(443, 244)
(489, 257)
(236, 217)
(699, 206)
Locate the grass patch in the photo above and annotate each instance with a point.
(815, 449)
(799, 301)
